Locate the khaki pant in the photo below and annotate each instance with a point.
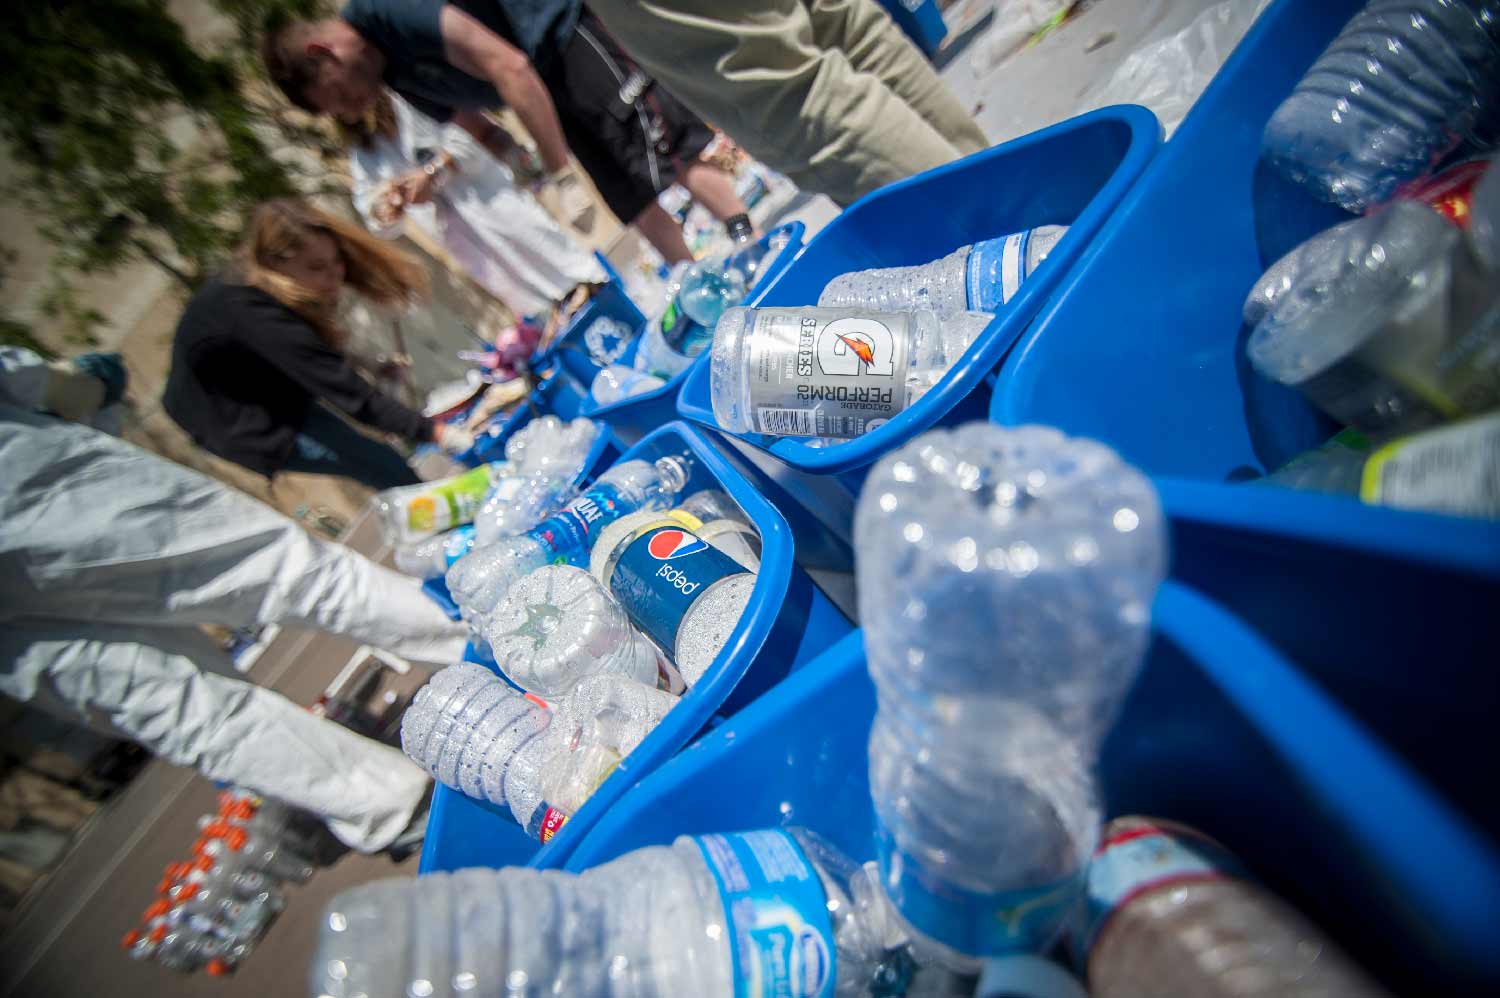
(829, 92)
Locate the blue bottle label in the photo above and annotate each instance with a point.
(780, 936)
(981, 924)
(458, 543)
(1141, 857)
(570, 534)
(661, 573)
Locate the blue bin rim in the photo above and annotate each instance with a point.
(1145, 139)
(1353, 769)
(542, 358)
(795, 231)
(703, 700)
(1467, 545)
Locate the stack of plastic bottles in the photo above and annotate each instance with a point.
(598, 617)
(433, 524)
(212, 908)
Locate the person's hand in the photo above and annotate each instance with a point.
(453, 438)
(390, 203)
(417, 186)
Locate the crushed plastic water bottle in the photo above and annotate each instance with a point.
(558, 625)
(548, 446)
(981, 277)
(1367, 328)
(518, 503)
(475, 734)
(829, 372)
(1005, 580)
(479, 580)
(683, 593)
(616, 383)
(770, 912)
(1405, 83)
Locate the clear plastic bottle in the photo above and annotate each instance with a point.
(1368, 332)
(710, 286)
(779, 905)
(1005, 580)
(549, 447)
(616, 383)
(1404, 84)
(517, 504)
(980, 277)
(477, 735)
(1170, 914)
(256, 852)
(683, 593)
(558, 625)
(829, 372)
(413, 513)
(479, 580)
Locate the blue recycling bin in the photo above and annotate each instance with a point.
(555, 394)
(634, 417)
(922, 22)
(602, 332)
(786, 624)
(1221, 732)
(1073, 173)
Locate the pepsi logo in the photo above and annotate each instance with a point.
(674, 544)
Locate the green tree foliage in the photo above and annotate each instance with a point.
(135, 146)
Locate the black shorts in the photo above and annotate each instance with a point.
(630, 135)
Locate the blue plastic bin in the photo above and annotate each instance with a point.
(1216, 734)
(787, 623)
(921, 21)
(555, 394)
(609, 315)
(634, 417)
(1073, 173)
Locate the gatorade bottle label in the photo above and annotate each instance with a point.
(984, 924)
(1145, 857)
(659, 576)
(780, 937)
(826, 372)
(449, 503)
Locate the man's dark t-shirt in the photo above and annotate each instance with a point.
(409, 33)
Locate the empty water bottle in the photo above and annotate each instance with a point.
(686, 595)
(762, 913)
(549, 446)
(829, 372)
(1368, 331)
(255, 851)
(980, 277)
(616, 383)
(1171, 914)
(479, 580)
(712, 285)
(1005, 580)
(518, 503)
(1404, 84)
(475, 734)
(558, 625)
(412, 513)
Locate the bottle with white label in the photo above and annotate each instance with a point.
(682, 592)
(412, 513)
(1170, 914)
(829, 372)
(756, 914)
(473, 732)
(479, 580)
(980, 277)
(1005, 580)
(558, 625)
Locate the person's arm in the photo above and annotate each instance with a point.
(478, 51)
(288, 341)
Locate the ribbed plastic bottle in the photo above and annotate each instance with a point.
(1005, 580)
(1405, 83)
(757, 914)
(479, 580)
(1171, 914)
(474, 733)
(558, 626)
(616, 383)
(980, 277)
(682, 592)
(254, 851)
(829, 372)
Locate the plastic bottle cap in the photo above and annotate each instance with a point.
(130, 938)
(158, 934)
(216, 967)
(189, 891)
(156, 909)
(204, 863)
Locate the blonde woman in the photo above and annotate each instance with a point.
(259, 353)
(408, 169)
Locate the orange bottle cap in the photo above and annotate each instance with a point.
(216, 967)
(159, 933)
(130, 938)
